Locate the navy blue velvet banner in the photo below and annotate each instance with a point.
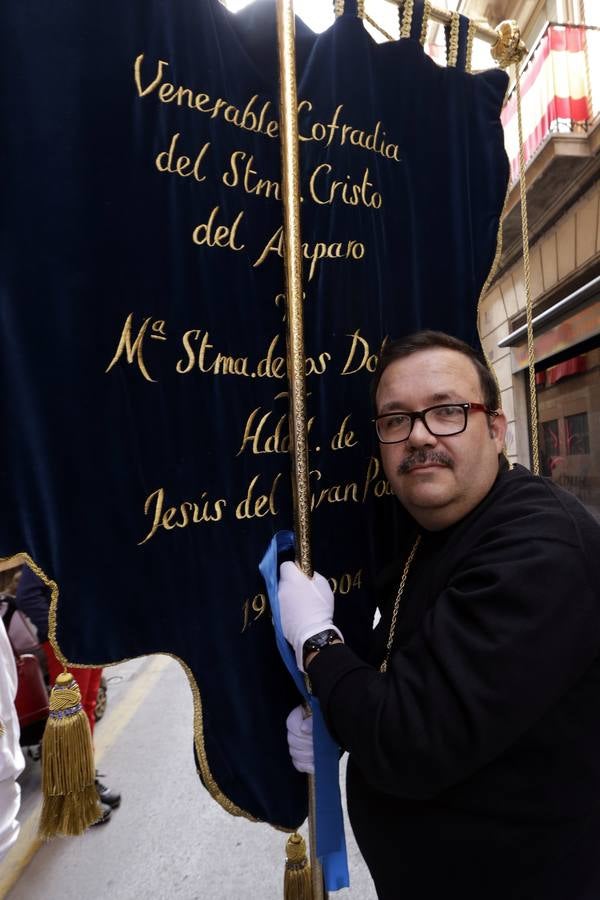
(144, 453)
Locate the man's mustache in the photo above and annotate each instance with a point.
(424, 458)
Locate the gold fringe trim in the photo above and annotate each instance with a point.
(338, 8)
(70, 815)
(360, 8)
(70, 799)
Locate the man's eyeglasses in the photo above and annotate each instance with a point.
(441, 421)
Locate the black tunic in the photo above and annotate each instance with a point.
(474, 766)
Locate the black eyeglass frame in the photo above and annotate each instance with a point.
(421, 413)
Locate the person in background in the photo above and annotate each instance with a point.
(12, 762)
(33, 598)
(473, 728)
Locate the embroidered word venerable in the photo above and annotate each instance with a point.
(144, 454)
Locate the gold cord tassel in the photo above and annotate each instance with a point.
(296, 882)
(71, 801)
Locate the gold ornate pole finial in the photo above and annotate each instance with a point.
(509, 48)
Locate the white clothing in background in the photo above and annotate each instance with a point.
(12, 762)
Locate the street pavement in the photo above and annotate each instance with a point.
(168, 839)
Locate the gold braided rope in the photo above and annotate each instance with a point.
(360, 9)
(338, 8)
(535, 451)
(425, 22)
(469, 51)
(407, 14)
(390, 640)
(453, 40)
(381, 30)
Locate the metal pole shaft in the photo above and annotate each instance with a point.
(293, 278)
(288, 123)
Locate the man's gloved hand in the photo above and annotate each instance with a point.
(300, 740)
(306, 606)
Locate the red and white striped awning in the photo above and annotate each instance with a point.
(554, 93)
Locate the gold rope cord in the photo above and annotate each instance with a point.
(381, 30)
(535, 452)
(52, 611)
(392, 632)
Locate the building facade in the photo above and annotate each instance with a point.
(560, 87)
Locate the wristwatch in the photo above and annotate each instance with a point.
(318, 641)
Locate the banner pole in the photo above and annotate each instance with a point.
(293, 279)
(288, 123)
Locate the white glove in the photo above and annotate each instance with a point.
(306, 606)
(300, 740)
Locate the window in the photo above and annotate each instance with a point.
(568, 397)
(577, 436)
(549, 445)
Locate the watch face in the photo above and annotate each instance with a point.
(317, 641)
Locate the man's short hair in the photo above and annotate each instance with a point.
(426, 340)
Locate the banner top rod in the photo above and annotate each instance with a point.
(444, 17)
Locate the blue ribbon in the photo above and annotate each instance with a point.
(331, 841)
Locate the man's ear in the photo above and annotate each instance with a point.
(498, 425)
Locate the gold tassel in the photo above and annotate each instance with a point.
(296, 882)
(70, 803)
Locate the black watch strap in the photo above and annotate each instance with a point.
(318, 641)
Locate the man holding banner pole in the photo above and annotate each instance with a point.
(472, 730)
